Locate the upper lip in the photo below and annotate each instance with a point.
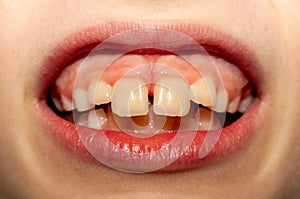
(213, 40)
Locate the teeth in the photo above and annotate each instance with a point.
(234, 105)
(67, 104)
(203, 91)
(82, 120)
(221, 102)
(97, 118)
(130, 97)
(99, 92)
(189, 122)
(207, 120)
(245, 103)
(81, 101)
(171, 97)
(57, 104)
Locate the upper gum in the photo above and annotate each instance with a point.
(125, 63)
(119, 67)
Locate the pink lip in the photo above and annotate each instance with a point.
(232, 137)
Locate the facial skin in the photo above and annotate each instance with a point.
(33, 165)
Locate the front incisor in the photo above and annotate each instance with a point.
(171, 97)
(130, 97)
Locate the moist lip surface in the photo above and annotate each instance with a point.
(231, 138)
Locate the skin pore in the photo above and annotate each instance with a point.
(33, 165)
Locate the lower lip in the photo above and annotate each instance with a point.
(231, 138)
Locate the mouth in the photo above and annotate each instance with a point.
(153, 106)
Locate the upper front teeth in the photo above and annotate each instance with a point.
(171, 97)
(130, 97)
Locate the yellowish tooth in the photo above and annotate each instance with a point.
(67, 103)
(81, 101)
(207, 120)
(112, 125)
(245, 103)
(234, 105)
(99, 92)
(97, 118)
(222, 101)
(203, 91)
(130, 97)
(171, 97)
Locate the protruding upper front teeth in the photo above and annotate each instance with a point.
(203, 91)
(99, 92)
(130, 97)
(171, 97)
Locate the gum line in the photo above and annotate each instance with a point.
(150, 68)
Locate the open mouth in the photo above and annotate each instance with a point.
(140, 106)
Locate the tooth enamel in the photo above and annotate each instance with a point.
(207, 120)
(203, 91)
(97, 118)
(245, 103)
(57, 103)
(189, 122)
(67, 104)
(221, 102)
(82, 120)
(171, 97)
(81, 101)
(99, 92)
(111, 117)
(234, 105)
(130, 97)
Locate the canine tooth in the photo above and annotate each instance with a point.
(245, 103)
(221, 102)
(234, 105)
(203, 91)
(97, 118)
(81, 101)
(99, 92)
(130, 97)
(67, 104)
(171, 97)
(207, 120)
